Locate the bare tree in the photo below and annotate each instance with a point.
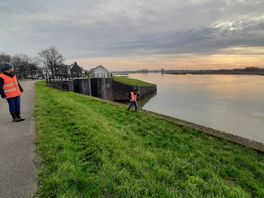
(25, 65)
(52, 58)
(21, 62)
(4, 58)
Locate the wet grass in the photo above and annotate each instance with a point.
(132, 82)
(90, 148)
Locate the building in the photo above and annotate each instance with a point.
(76, 70)
(100, 72)
(61, 70)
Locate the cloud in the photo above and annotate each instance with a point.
(245, 32)
(117, 28)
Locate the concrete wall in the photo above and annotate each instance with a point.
(105, 88)
(82, 86)
(102, 88)
(67, 85)
(120, 91)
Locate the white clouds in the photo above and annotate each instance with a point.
(243, 50)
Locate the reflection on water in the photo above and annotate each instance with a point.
(144, 100)
(230, 103)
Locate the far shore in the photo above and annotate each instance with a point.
(243, 71)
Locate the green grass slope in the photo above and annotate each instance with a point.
(132, 82)
(91, 148)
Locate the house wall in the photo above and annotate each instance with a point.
(100, 73)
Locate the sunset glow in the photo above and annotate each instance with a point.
(136, 34)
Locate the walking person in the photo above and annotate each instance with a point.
(133, 96)
(11, 90)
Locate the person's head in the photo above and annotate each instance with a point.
(135, 90)
(8, 68)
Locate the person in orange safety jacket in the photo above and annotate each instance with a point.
(133, 96)
(11, 90)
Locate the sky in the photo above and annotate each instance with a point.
(138, 34)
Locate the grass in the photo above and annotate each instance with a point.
(90, 148)
(132, 82)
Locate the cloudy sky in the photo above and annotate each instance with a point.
(135, 34)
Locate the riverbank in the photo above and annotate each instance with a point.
(88, 147)
(233, 104)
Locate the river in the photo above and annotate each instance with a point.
(230, 103)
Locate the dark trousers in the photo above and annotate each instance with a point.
(131, 104)
(14, 104)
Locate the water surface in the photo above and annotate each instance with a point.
(230, 103)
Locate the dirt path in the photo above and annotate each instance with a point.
(17, 148)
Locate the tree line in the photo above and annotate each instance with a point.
(49, 58)
(24, 64)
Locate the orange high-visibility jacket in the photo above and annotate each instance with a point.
(10, 86)
(133, 96)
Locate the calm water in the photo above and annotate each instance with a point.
(230, 103)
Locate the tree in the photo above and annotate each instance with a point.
(32, 68)
(51, 58)
(24, 64)
(21, 63)
(5, 58)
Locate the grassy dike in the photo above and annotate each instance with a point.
(87, 147)
(132, 82)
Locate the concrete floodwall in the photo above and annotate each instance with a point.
(102, 88)
(105, 88)
(83, 86)
(67, 85)
(120, 91)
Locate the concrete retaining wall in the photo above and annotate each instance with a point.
(105, 88)
(66, 85)
(102, 88)
(120, 91)
(82, 86)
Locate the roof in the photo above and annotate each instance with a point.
(76, 67)
(97, 67)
